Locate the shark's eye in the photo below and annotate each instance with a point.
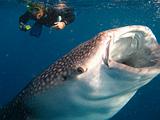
(80, 70)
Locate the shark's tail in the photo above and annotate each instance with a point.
(13, 111)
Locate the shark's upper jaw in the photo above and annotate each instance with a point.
(133, 48)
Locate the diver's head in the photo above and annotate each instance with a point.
(61, 5)
(39, 14)
(37, 10)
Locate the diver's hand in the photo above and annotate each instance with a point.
(59, 25)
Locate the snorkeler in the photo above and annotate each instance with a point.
(54, 16)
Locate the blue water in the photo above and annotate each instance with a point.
(22, 57)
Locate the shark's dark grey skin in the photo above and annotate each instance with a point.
(93, 81)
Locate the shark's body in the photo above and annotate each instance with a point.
(94, 81)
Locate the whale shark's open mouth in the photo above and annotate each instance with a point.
(135, 49)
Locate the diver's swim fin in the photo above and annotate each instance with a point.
(36, 29)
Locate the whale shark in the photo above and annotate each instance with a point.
(94, 81)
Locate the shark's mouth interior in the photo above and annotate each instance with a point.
(135, 49)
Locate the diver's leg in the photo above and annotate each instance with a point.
(36, 29)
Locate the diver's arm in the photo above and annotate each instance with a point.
(23, 21)
(25, 18)
(64, 19)
(68, 17)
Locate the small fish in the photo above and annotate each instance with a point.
(93, 81)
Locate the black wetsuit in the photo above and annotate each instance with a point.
(50, 17)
